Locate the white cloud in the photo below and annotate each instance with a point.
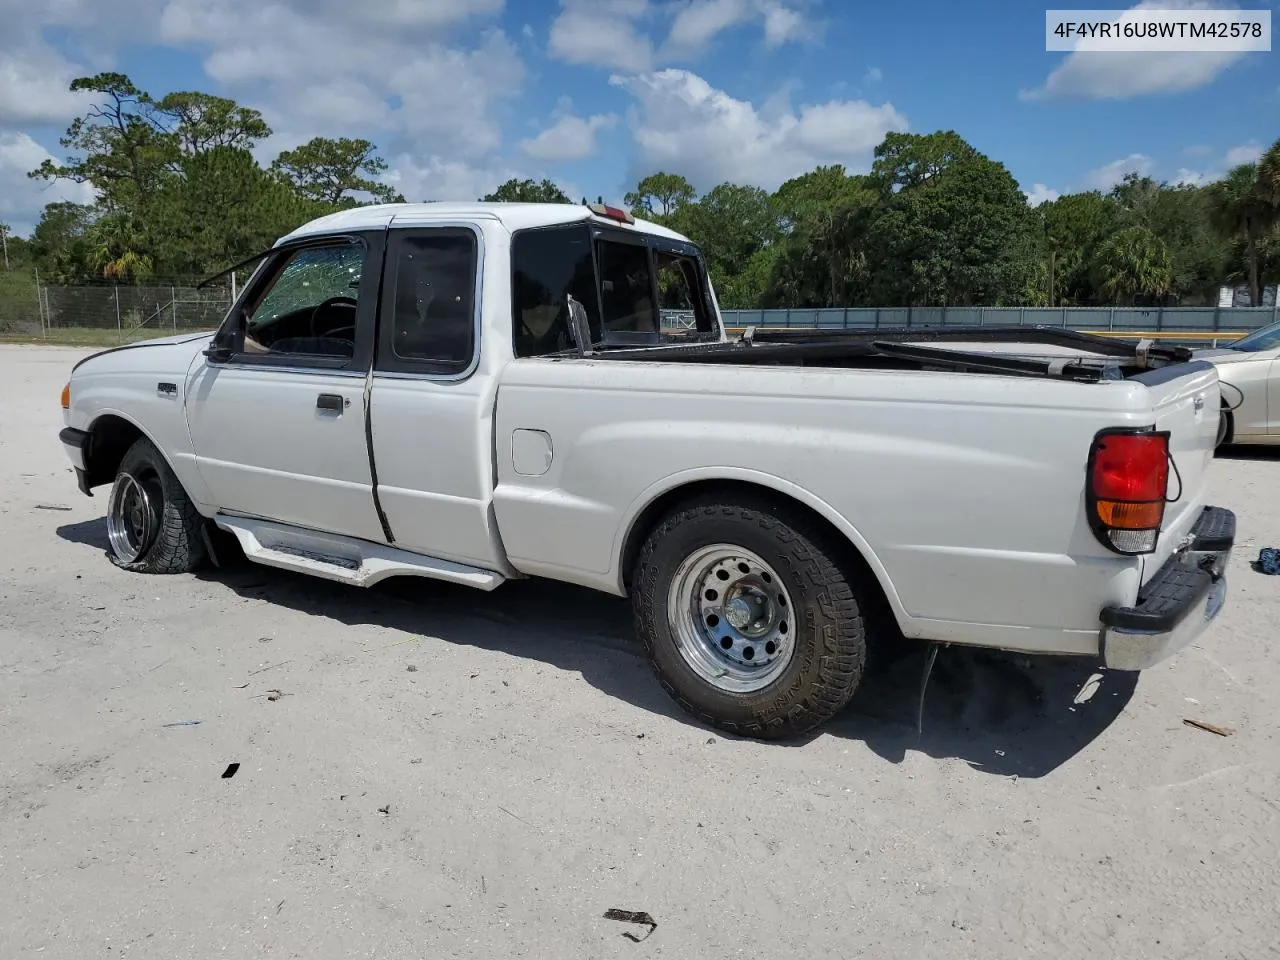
(698, 23)
(1098, 75)
(1193, 178)
(569, 138)
(34, 87)
(601, 33)
(684, 125)
(22, 199)
(438, 179)
(1039, 194)
(1106, 177)
(783, 24)
(1245, 153)
(873, 75)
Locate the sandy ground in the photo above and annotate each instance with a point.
(449, 774)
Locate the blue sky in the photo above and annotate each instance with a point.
(461, 94)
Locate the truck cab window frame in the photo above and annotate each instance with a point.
(582, 260)
(342, 333)
(429, 321)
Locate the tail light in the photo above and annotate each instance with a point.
(1128, 488)
(66, 397)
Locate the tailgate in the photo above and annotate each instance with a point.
(1185, 401)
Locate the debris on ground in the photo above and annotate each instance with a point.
(51, 506)
(416, 760)
(633, 916)
(230, 772)
(1210, 727)
(1268, 561)
(185, 723)
(385, 811)
(274, 695)
(412, 668)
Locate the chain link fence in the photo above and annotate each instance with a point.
(101, 310)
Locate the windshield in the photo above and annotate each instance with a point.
(1267, 338)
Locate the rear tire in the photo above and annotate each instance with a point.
(1226, 424)
(152, 525)
(748, 619)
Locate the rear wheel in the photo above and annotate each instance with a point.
(1224, 427)
(748, 619)
(152, 525)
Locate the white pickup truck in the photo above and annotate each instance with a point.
(483, 392)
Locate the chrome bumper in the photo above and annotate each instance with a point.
(1178, 603)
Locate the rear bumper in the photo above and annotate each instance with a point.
(1178, 603)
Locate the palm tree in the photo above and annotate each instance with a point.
(1241, 208)
(1133, 262)
(114, 250)
(1269, 175)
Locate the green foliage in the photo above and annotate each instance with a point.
(1241, 210)
(659, 195)
(1134, 263)
(526, 191)
(178, 193)
(328, 171)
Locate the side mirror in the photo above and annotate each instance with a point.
(228, 340)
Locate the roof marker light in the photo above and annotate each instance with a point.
(612, 213)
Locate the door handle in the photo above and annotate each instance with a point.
(329, 401)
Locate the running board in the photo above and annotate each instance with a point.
(359, 563)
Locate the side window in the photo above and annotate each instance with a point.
(548, 267)
(309, 305)
(626, 289)
(683, 306)
(428, 319)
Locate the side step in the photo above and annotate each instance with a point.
(359, 563)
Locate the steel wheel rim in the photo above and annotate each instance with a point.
(732, 618)
(132, 518)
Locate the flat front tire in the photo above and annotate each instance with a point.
(748, 619)
(152, 525)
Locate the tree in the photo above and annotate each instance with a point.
(526, 191)
(201, 121)
(1134, 262)
(1240, 210)
(1075, 225)
(962, 235)
(116, 250)
(121, 153)
(659, 195)
(729, 224)
(905, 160)
(328, 171)
(1269, 175)
(224, 208)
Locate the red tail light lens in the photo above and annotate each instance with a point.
(1128, 486)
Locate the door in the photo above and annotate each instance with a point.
(279, 426)
(433, 394)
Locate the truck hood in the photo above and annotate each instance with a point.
(175, 348)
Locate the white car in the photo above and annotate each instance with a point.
(483, 392)
(1249, 371)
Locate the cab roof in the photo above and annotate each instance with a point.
(513, 216)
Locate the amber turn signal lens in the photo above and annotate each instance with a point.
(1131, 516)
(66, 397)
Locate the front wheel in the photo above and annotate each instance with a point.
(152, 525)
(748, 620)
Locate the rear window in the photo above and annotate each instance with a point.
(625, 305)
